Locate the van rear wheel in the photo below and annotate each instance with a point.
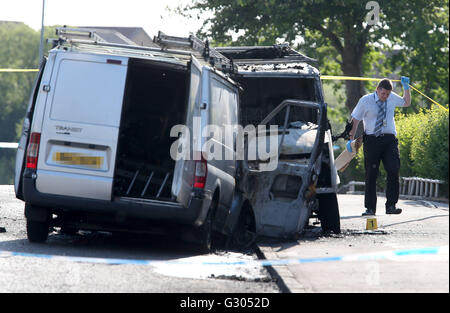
(206, 234)
(37, 231)
(206, 230)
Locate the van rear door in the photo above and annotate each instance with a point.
(81, 124)
(185, 166)
(23, 142)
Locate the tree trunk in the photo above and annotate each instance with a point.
(351, 49)
(352, 66)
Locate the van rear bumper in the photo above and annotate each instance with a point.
(158, 210)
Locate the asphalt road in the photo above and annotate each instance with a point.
(398, 256)
(52, 267)
(180, 269)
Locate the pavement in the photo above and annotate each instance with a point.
(399, 256)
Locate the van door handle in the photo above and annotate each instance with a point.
(203, 106)
(46, 88)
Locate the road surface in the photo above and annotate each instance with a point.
(53, 267)
(100, 262)
(399, 256)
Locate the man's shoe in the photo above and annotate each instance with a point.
(393, 210)
(368, 212)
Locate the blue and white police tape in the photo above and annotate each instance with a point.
(380, 255)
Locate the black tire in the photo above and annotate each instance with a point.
(37, 232)
(206, 230)
(244, 234)
(329, 217)
(206, 233)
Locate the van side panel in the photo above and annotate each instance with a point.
(81, 124)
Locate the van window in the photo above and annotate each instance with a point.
(263, 94)
(223, 104)
(88, 92)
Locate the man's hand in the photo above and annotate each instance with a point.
(349, 146)
(405, 82)
(406, 90)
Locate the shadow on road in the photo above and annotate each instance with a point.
(105, 245)
(416, 220)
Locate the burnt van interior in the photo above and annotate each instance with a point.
(263, 94)
(154, 101)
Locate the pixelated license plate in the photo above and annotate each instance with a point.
(78, 159)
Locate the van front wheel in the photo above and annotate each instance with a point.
(329, 212)
(37, 231)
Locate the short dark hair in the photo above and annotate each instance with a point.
(385, 83)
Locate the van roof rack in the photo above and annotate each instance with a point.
(226, 59)
(169, 44)
(212, 55)
(72, 33)
(87, 37)
(280, 53)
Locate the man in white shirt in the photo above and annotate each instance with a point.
(376, 110)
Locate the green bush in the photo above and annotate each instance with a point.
(429, 146)
(408, 126)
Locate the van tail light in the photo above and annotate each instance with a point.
(33, 150)
(201, 170)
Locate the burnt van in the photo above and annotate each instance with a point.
(95, 147)
(282, 88)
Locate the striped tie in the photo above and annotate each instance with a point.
(380, 118)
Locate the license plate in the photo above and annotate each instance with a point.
(70, 158)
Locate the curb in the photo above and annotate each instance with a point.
(283, 277)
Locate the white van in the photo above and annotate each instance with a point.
(94, 151)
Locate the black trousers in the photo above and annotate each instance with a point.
(383, 148)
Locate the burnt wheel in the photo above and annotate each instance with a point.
(244, 235)
(329, 212)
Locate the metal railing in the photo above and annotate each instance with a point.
(422, 187)
(415, 187)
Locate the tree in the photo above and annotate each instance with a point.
(348, 27)
(19, 48)
(423, 52)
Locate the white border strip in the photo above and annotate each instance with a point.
(12, 145)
